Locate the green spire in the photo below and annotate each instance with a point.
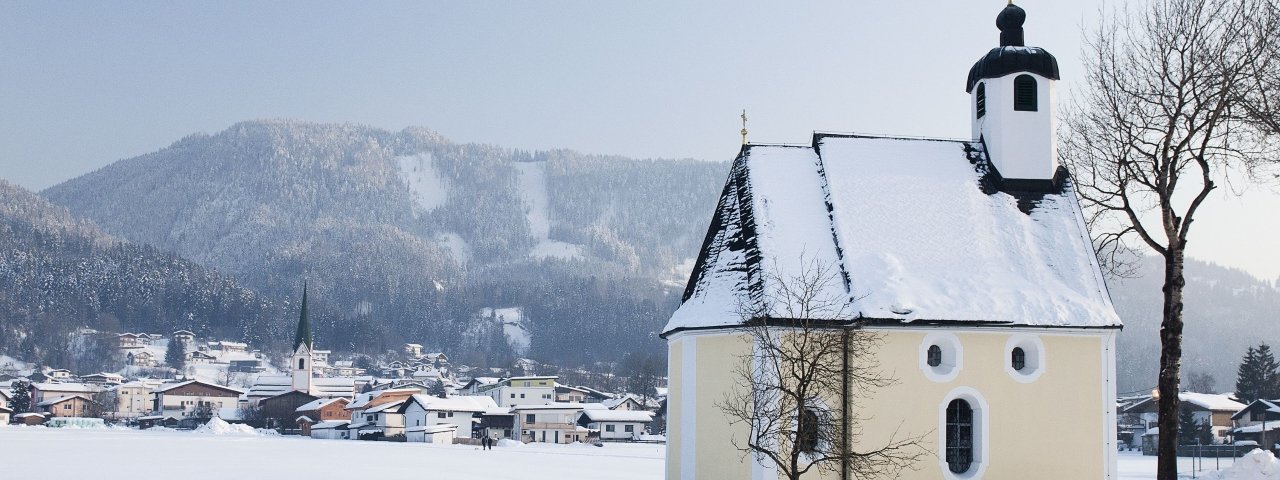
(304, 324)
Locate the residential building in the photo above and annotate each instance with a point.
(194, 399)
(969, 260)
(551, 423)
(103, 379)
(616, 424)
(528, 390)
(45, 391)
(321, 410)
(5, 412)
(134, 399)
(330, 430)
(463, 412)
(1217, 410)
(280, 412)
(413, 350)
(69, 406)
(443, 433)
(376, 414)
(184, 337)
(565, 393)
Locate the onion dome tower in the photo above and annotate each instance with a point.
(1012, 91)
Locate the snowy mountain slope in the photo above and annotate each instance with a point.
(402, 234)
(59, 274)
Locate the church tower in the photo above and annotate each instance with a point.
(300, 365)
(1012, 106)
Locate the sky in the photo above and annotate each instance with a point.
(83, 84)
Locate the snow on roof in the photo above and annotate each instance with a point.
(594, 415)
(317, 404)
(327, 424)
(272, 385)
(461, 403)
(437, 428)
(553, 406)
(60, 400)
(908, 229)
(172, 386)
(67, 387)
(1211, 401)
(386, 406)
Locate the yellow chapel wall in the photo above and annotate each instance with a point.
(1060, 425)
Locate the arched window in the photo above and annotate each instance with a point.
(1024, 94)
(807, 431)
(935, 356)
(959, 436)
(982, 100)
(302, 363)
(1019, 358)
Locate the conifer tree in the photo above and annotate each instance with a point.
(176, 355)
(1257, 376)
(438, 389)
(20, 398)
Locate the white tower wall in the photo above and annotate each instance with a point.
(1021, 144)
(300, 369)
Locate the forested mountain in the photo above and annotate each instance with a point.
(1226, 311)
(406, 236)
(59, 274)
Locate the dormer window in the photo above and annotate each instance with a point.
(1024, 94)
(982, 100)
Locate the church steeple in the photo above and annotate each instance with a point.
(300, 364)
(304, 325)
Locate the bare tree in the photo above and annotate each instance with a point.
(798, 388)
(1179, 96)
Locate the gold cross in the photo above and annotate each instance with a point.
(744, 126)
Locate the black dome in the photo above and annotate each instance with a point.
(1001, 61)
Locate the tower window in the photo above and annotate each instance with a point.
(302, 363)
(959, 436)
(807, 433)
(982, 100)
(1024, 94)
(1019, 358)
(935, 356)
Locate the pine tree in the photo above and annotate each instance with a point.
(1257, 376)
(176, 355)
(438, 390)
(20, 399)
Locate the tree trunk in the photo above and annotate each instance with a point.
(1170, 364)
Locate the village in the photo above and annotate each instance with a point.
(419, 397)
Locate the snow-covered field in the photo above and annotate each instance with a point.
(109, 454)
(105, 454)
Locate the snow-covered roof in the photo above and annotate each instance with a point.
(172, 386)
(318, 404)
(67, 387)
(364, 398)
(1211, 401)
(327, 424)
(272, 385)
(58, 400)
(913, 230)
(553, 406)
(388, 407)
(640, 416)
(437, 428)
(460, 403)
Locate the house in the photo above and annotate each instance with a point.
(127, 340)
(45, 391)
(103, 379)
(29, 418)
(281, 411)
(1258, 421)
(140, 358)
(615, 424)
(968, 259)
(246, 366)
(133, 399)
(565, 393)
(526, 390)
(413, 350)
(320, 357)
(377, 414)
(497, 423)
(1217, 410)
(322, 410)
(184, 337)
(194, 399)
(4, 395)
(199, 357)
(58, 373)
(266, 386)
(5, 412)
(476, 385)
(331, 430)
(463, 412)
(69, 406)
(551, 423)
(145, 339)
(440, 433)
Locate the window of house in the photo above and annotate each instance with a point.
(959, 436)
(526, 384)
(1024, 94)
(807, 433)
(628, 428)
(608, 428)
(529, 418)
(982, 100)
(440, 415)
(521, 395)
(935, 355)
(302, 363)
(1019, 358)
(513, 395)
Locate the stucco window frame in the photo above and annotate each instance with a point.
(981, 433)
(1033, 347)
(952, 357)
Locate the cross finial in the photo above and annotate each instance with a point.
(744, 126)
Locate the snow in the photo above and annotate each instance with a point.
(513, 327)
(533, 189)
(1211, 401)
(1255, 465)
(217, 426)
(98, 455)
(428, 188)
(459, 247)
(913, 232)
(595, 415)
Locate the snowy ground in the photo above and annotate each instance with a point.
(113, 454)
(274, 456)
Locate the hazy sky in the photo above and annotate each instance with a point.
(83, 84)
